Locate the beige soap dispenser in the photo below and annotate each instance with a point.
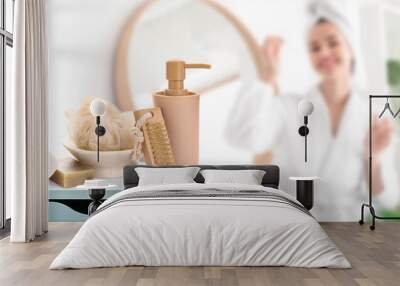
(180, 109)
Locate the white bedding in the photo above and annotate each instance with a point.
(200, 231)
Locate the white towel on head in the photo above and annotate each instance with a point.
(337, 13)
(334, 12)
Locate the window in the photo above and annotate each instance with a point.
(6, 43)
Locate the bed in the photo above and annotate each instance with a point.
(198, 224)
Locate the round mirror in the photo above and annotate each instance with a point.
(192, 30)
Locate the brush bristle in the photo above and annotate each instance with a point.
(160, 144)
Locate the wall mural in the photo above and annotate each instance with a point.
(263, 82)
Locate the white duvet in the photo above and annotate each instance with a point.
(200, 231)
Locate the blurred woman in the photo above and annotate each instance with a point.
(265, 122)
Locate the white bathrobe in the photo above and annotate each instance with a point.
(262, 121)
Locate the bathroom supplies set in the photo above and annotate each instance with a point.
(176, 142)
(166, 134)
(116, 146)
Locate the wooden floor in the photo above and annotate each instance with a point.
(375, 257)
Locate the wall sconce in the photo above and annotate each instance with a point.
(305, 108)
(98, 108)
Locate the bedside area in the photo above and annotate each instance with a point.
(305, 190)
(71, 204)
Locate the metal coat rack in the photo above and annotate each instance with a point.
(369, 205)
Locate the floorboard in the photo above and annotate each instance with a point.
(374, 255)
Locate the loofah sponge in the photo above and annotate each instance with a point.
(118, 128)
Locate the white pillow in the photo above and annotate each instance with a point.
(163, 176)
(248, 177)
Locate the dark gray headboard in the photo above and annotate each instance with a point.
(271, 177)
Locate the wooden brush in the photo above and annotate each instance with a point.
(156, 146)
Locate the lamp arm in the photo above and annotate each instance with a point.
(100, 131)
(305, 148)
(303, 131)
(305, 138)
(98, 137)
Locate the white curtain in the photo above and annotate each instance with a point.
(27, 117)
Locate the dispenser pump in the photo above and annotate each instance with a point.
(176, 71)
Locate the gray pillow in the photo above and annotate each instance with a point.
(165, 176)
(248, 177)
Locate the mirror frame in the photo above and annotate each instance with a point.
(123, 94)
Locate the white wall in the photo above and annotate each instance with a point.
(83, 36)
(82, 40)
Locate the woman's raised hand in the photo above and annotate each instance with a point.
(382, 134)
(271, 49)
